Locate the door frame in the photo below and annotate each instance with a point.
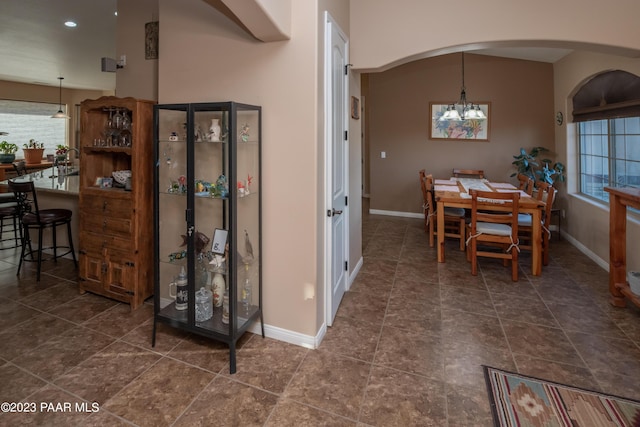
(328, 152)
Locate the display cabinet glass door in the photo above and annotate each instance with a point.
(172, 240)
(246, 211)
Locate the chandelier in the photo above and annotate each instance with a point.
(463, 110)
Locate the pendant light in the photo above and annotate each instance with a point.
(60, 114)
(470, 111)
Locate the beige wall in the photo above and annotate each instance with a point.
(38, 93)
(387, 33)
(206, 57)
(521, 115)
(587, 221)
(139, 77)
(605, 38)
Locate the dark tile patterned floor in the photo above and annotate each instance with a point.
(406, 347)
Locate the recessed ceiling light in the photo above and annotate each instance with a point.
(70, 24)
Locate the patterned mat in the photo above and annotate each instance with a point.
(518, 400)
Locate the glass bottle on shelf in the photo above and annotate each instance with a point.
(246, 290)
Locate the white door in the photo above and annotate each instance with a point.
(337, 164)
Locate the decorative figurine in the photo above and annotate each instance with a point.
(222, 187)
(248, 247)
(173, 136)
(214, 130)
(244, 132)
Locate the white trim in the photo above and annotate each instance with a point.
(354, 273)
(396, 213)
(276, 333)
(582, 248)
(302, 340)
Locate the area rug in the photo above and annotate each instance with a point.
(518, 400)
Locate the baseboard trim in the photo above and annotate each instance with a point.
(354, 273)
(277, 333)
(302, 340)
(396, 213)
(582, 248)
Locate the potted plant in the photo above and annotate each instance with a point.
(538, 170)
(7, 152)
(61, 153)
(33, 152)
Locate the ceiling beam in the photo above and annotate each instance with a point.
(266, 20)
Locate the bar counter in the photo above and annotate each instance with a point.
(8, 167)
(55, 191)
(50, 181)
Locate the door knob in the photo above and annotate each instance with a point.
(335, 212)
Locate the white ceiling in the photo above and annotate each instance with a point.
(36, 47)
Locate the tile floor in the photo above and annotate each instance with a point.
(406, 348)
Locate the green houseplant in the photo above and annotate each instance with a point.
(7, 152)
(33, 152)
(545, 170)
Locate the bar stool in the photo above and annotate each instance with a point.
(9, 210)
(33, 218)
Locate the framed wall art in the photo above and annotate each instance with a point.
(461, 130)
(151, 40)
(355, 108)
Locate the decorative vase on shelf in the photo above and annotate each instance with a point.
(214, 130)
(218, 288)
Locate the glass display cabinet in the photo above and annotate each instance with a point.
(208, 233)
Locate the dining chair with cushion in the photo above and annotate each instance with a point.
(454, 218)
(526, 184)
(494, 228)
(32, 218)
(468, 173)
(546, 194)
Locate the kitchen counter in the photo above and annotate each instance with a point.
(49, 181)
(8, 167)
(60, 192)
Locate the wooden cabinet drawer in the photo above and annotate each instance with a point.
(112, 207)
(98, 243)
(109, 225)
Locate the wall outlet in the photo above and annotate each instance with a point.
(563, 213)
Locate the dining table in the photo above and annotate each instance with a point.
(455, 192)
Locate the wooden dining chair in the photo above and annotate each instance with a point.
(454, 218)
(494, 228)
(546, 194)
(526, 184)
(469, 173)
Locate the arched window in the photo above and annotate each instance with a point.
(607, 110)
